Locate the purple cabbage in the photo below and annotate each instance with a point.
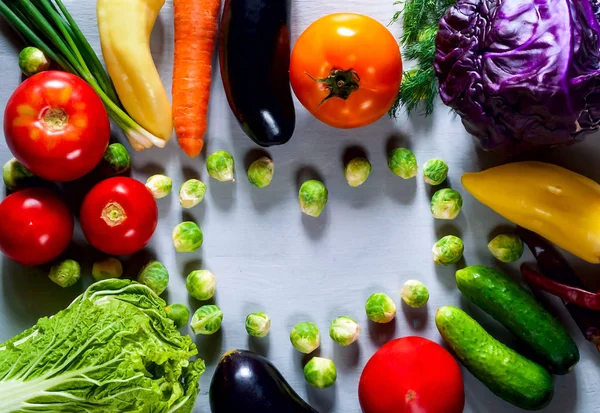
(522, 73)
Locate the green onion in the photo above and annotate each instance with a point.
(48, 25)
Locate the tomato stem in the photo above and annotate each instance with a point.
(340, 84)
(113, 214)
(55, 119)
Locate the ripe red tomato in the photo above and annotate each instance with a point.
(56, 125)
(346, 70)
(119, 216)
(36, 226)
(411, 375)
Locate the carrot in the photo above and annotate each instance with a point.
(196, 26)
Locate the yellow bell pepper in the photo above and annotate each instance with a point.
(125, 27)
(556, 203)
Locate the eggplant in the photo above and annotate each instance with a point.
(245, 382)
(254, 55)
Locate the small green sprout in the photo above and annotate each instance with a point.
(344, 331)
(191, 193)
(155, 276)
(33, 61)
(507, 247)
(258, 324)
(448, 250)
(107, 268)
(15, 175)
(221, 166)
(66, 273)
(117, 158)
(260, 173)
(320, 372)
(207, 320)
(435, 171)
(159, 185)
(179, 313)
(201, 284)
(446, 204)
(313, 197)
(357, 171)
(380, 308)
(305, 337)
(187, 237)
(403, 163)
(414, 294)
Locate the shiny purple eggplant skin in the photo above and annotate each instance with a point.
(254, 54)
(245, 382)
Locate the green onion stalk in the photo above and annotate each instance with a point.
(47, 25)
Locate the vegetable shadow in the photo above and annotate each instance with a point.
(150, 169)
(75, 191)
(135, 262)
(443, 228)
(192, 265)
(417, 317)
(210, 347)
(402, 191)
(28, 294)
(190, 173)
(502, 229)
(301, 359)
(313, 226)
(195, 214)
(347, 358)
(260, 345)
(324, 400)
(379, 334)
(420, 122)
(223, 193)
(446, 274)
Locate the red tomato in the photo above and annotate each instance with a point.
(411, 375)
(119, 216)
(36, 226)
(56, 125)
(346, 70)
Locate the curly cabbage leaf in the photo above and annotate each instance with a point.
(112, 350)
(522, 73)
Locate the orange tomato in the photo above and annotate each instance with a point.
(346, 69)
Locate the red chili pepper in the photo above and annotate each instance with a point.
(573, 295)
(554, 266)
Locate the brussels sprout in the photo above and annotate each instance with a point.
(221, 166)
(207, 320)
(320, 372)
(32, 61)
(313, 196)
(65, 273)
(191, 193)
(260, 173)
(305, 337)
(435, 171)
(201, 284)
(344, 331)
(402, 162)
(108, 268)
(187, 237)
(155, 276)
(258, 324)
(446, 204)
(15, 175)
(357, 171)
(449, 250)
(179, 313)
(507, 247)
(380, 308)
(117, 157)
(159, 185)
(414, 293)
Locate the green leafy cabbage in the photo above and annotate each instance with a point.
(114, 349)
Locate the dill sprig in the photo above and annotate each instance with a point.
(420, 19)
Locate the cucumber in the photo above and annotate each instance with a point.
(504, 371)
(514, 307)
